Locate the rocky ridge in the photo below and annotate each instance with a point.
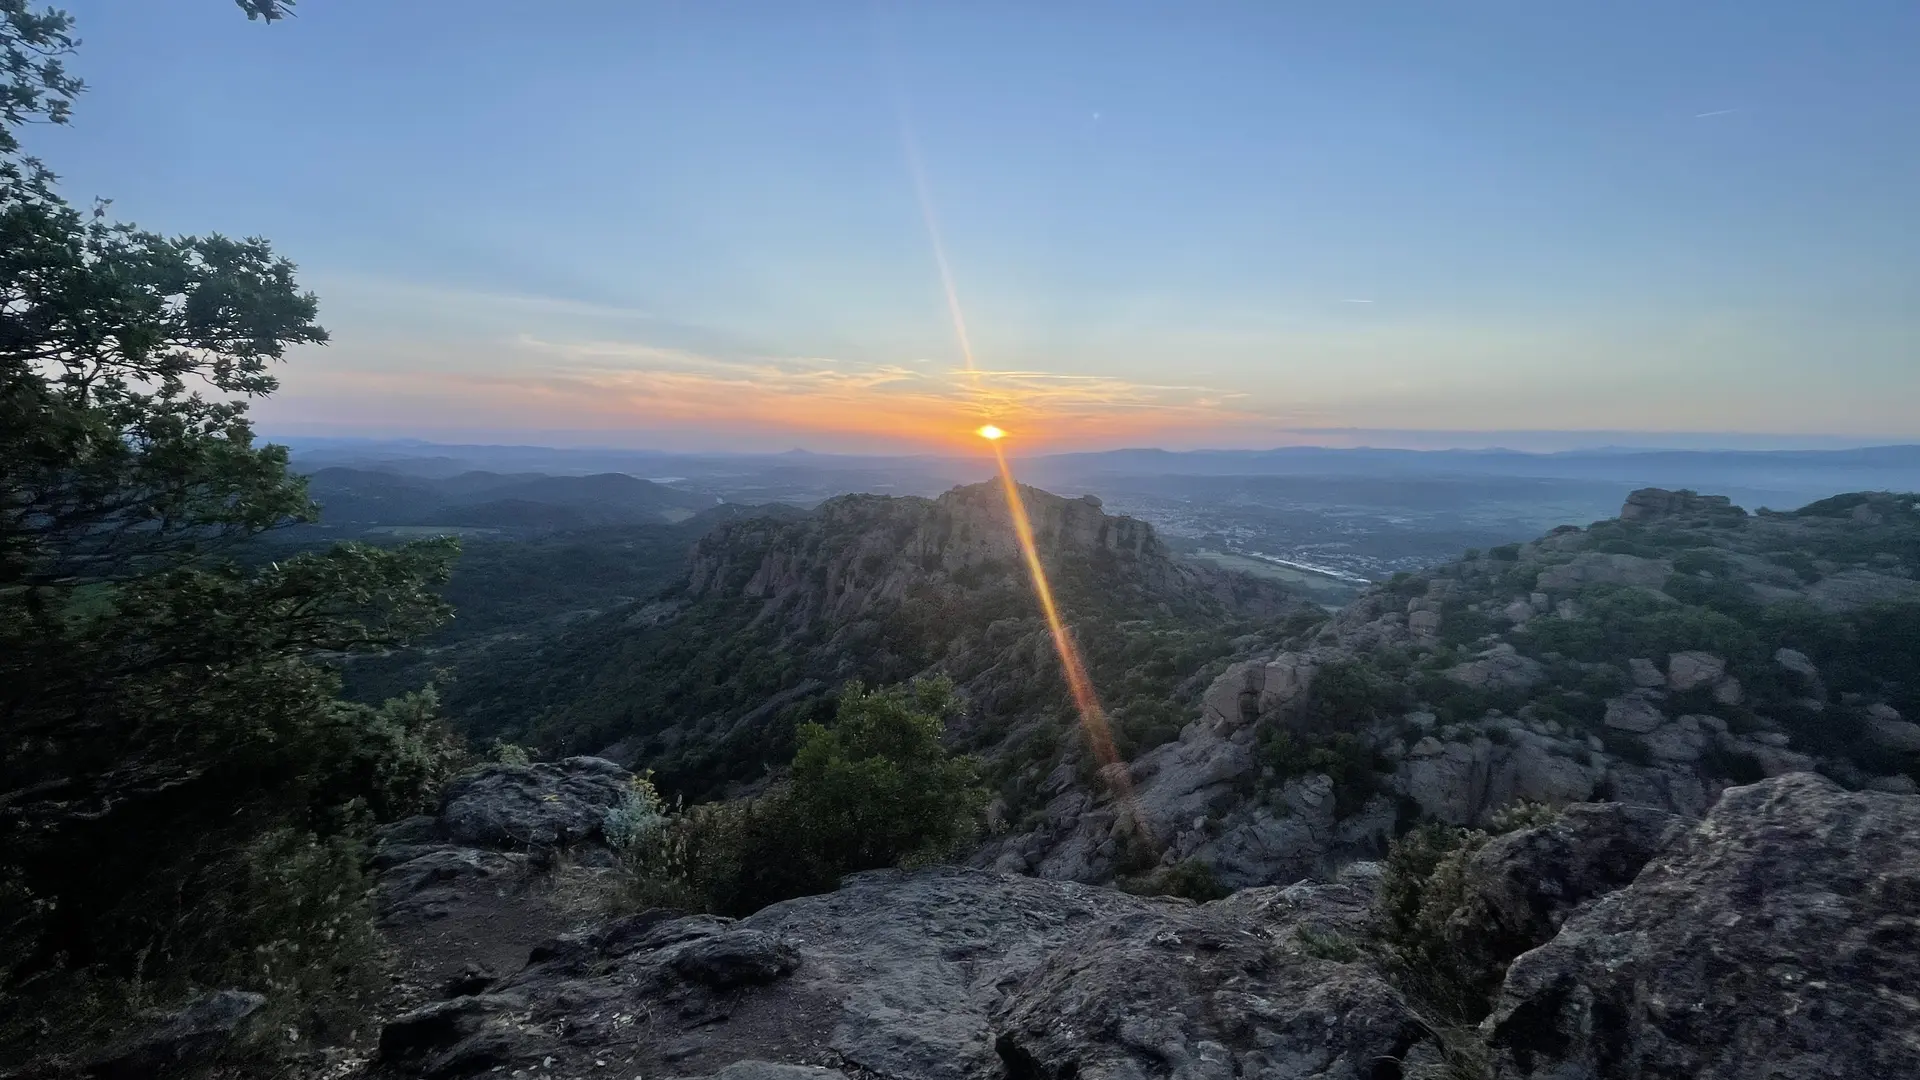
(1654, 660)
(704, 684)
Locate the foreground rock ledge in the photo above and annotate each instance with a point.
(942, 974)
(1778, 937)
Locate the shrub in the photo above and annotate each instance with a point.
(1423, 889)
(507, 753)
(877, 788)
(1348, 696)
(1327, 945)
(1347, 759)
(874, 789)
(1191, 878)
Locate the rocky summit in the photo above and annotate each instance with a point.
(1775, 936)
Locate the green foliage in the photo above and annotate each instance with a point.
(1191, 879)
(1461, 625)
(1618, 623)
(877, 788)
(1421, 885)
(874, 789)
(181, 796)
(1454, 702)
(1423, 889)
(1349, 696)
(1346, 758)
(1327, 944)
(1701, 561)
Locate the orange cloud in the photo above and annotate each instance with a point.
(619, 386)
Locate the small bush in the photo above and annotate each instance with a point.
(1191, 878)
(1327, 945)
(1423, 887)
(507, 753)
(874, 789)
(1347, 759)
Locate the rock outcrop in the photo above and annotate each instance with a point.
(507, 862)
(942, 974)
(1775, 937)
(1522, 886)
(1649, 504)
(1779, 938)
(550, 804)
(860, 553)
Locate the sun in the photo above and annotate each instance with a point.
(990, 433)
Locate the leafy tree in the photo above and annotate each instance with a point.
(875, 788)
(170, 742)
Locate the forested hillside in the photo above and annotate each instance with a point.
(706, 682)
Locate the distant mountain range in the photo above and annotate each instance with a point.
(358, 498)
(365, 481)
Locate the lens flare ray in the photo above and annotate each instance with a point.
(1093, 718)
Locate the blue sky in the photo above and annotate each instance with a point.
(695, 224)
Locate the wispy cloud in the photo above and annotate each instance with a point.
(1353, 300)
(621, 384)
(1715, 112)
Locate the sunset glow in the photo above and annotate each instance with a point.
(990, 433)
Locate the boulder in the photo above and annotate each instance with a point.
(462, 1036)
(185, 1041)
(1635, 713)
(1269, 982)
(1254, 688)
(1686, 670)
(1500, 667)
(1447, 780)
(1895, 734)
(1777, 938)
(1301, 837)
(1801, 669)
(1461, 782)
(1646, 674)
(735, 958)
(1665, 785)
(1728, 691)
(1683, 740)
(1652, 504)
(1520, 887)
(1425, 625)
(549, 804)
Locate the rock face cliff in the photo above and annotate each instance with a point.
(860, 553)
(706, 684)
(1654, 660)
(1773, 937)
